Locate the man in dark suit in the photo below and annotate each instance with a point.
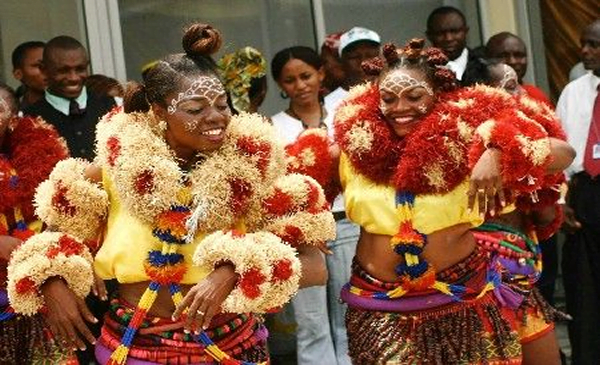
(66, 103)
(447, 29)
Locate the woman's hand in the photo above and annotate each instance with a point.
(99, 288)
(204, 299)
(7, 246)
(486, 183)
(67, 314)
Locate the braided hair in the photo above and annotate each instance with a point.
(414, 55)
(199, 42)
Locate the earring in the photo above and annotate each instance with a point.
(283, 94)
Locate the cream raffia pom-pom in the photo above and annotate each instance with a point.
(71, 203)
(267, 268)
(43, 256)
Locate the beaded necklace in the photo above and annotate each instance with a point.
(322, 115)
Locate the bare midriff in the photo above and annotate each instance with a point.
(163, 305)
(444, 248)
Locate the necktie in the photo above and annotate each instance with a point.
(591, 158)
(74, 108)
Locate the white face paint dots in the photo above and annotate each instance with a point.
(206, 87)
(397, 82)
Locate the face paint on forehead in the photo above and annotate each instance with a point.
(508, 76)
(5, 110)
(207, 87)
(397, 82)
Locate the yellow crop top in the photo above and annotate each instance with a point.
(373, 207)
(127, 242)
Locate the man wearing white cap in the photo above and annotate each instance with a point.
(356, 45)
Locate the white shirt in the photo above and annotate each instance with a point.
(332, 101)
(574, 108)
(459, 65)
(289, 128)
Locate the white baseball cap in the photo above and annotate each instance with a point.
(357, 34)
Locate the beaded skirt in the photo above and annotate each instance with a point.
(243, 337)
(482, 326)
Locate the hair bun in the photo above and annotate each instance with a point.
(201, 40)
(390, 53)
(373, 66)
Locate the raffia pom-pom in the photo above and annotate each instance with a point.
(294, 193)
(309, 155)
(304, 228)
(255, 257)
(43, 256)
(71, 203)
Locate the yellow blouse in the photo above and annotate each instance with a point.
(372, 206)
(126, 244)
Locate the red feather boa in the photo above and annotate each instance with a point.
(435, 157)
(33, 148)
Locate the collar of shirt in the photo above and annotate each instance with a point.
(460, 64)
(62, 105)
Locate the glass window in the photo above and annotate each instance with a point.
(395, 21)
(153, 28)
(36, 20)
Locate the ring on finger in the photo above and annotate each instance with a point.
(199, 312)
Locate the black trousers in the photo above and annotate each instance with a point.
(581, 271)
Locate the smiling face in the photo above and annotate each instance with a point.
(301, 81)
(406, 96)
(197, 115)
(66, 71)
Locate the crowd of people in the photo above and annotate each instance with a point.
(402, 209)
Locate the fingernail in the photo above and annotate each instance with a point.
(196, 333)
(187, 332)
(95, 320)
(105, 298)
(492, 212)
(82, 348)
(502, 203)
(174, 319)
(93, 342)
(204, 327)
(469, 210)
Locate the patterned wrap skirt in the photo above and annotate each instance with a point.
(243, 337)
(434, 328)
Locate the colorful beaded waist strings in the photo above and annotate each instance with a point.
(167, 268)
(416, 273)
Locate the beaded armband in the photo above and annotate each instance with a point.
(69, 202)
(268, 269)
(525, 149)
(297, 212)
(43, 256)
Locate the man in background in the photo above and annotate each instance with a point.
(27, 69)
(579, 110)
(447, 29)
(66, 103)
(511, 50)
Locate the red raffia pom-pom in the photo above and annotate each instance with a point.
(318, 145)
(61, 202)
(250, 281)
(241, 192)
(144, 182)
(25, 285)
(67, 246)
(282, 270)
(113, 146)
(292, 235)
(278, 204)
(253, 147)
